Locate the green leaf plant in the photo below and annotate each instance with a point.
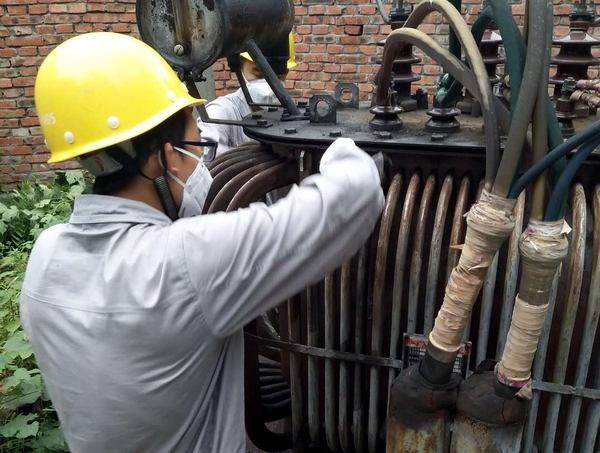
(28, 422)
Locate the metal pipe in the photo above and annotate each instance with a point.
(510, 276)
(377, 314)
(574, 279)
(271, 78)
(592, 423)
(296, 375)
(344, 382)
(241, 150)
(410, 200)
(331, 433)
(458, 225)
(273, 178)
(590, 325)
(487, 301)
(229, 181)
(416, 262)
(312, 339)
(358, 413)
(537, 372)
(435, 252)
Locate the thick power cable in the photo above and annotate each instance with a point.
(525, 103)
(539, 121)
(561, 189)
(560, 151)
(475, 60)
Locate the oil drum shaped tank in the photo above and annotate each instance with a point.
(193, 34)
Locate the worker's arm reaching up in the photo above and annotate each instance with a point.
(261, 255)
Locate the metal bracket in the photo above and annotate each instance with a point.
(341, 89)
(325, 102)
(245, 122)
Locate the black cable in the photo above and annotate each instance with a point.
(549, 159)
(562, 185)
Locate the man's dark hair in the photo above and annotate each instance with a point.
(171, 130)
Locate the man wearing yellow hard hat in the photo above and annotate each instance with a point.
(135, 307)
(233, 106)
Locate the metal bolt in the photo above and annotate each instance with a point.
(179, 50)
(290, 130)
(256, 116)
(383, 134)
(437, 137)
(262, 122)
(335, 133)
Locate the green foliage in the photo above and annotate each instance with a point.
(27, 211)
(28, 422)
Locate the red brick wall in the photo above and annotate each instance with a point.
(28, 32)
(335, 42)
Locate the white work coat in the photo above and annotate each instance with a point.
(136, 321)
(232, 106)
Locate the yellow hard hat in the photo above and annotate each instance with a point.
(291, 63)
(100, 89)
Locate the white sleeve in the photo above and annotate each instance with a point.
(245, 262)
(220, 133)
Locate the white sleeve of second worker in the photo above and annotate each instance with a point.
(220, 133)
(244, 263)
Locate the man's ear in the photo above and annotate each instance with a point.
(171, 159)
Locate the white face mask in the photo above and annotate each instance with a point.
(261, 92)
(195, 189)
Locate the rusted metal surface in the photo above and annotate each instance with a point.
(229, 181)
(400, 268)
(574, 280)
(344, 339)
(416, 262)
(211, 29)
(247, 148)
(273, 178)
(377, 314)
(435, 253)
(590, 325)
(419, 417)
(470, 436)
(231, 157)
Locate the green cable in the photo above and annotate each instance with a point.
(446, 96)
(561, 189)
(557, 153)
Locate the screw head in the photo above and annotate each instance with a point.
(290, 130)
(179, 50)
(335, 133)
